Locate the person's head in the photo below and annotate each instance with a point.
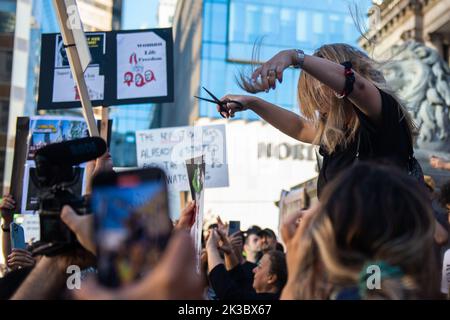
(267, 240)
(270, 275)
(370, 215)
(335, 118)
(251, 242)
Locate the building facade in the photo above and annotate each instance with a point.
(102, 15)
(166, 11)
(7, 24)
(396, 21)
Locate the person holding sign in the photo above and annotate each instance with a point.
(347, 108)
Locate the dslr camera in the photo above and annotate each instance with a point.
(57, 172)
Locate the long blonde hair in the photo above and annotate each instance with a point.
(370, 213)
(335, 119)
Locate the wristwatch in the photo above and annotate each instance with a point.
(300, 55)
(5, 229)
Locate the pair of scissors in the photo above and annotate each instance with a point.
(222, 104)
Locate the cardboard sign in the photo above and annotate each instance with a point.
(169, 148)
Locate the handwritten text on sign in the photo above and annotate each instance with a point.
(168, 148)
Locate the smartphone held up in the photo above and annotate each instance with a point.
(132, 223)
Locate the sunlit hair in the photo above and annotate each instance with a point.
(370, 213)
(335, 119)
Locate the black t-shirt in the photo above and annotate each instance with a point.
(227, 289)
(387, 141)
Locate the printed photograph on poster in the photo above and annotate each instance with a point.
(64, 88)
(46, 130)
(141, 65)
(31, 189)
(195, 168)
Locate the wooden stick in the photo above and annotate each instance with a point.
(75, 66)
(104, 127)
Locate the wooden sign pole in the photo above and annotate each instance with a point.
(75, 66)
(104, 127)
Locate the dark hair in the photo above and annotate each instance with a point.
(444, 197)
(267, 233)
(278, 267)
(280, 247)
(252, 230)
(12, 281)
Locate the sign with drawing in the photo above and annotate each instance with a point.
(127, 67)
(141, 65)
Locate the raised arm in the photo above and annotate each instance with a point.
(365, 95)
(284, 120)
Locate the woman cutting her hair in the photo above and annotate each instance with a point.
(346, 106)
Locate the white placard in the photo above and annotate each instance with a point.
(141, 65)
(445, 284)
(169, 148)
(31, 227)
(64, 88)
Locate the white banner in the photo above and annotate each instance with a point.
(141, 65)
(169, 148)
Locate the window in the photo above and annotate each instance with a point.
(5, 65)
(335, 24)
(287, 27)
(270, 21)
(252, 23)
(302, 31)
(318, 26)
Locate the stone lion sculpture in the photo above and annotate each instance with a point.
(422, 79)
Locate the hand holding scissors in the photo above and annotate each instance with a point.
(226, 107)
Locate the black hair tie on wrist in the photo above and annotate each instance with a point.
(349, 80)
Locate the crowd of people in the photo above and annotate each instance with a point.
(378, 230)
(324, 251)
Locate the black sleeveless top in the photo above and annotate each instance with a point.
(389, 141)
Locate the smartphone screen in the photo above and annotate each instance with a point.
(17, 236)
(132, 223)
(233, 227)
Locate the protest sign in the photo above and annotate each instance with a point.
(127, 67)
(31, 135)
(64, 88)
(141, 65)
(195, 169)
(169, 148)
